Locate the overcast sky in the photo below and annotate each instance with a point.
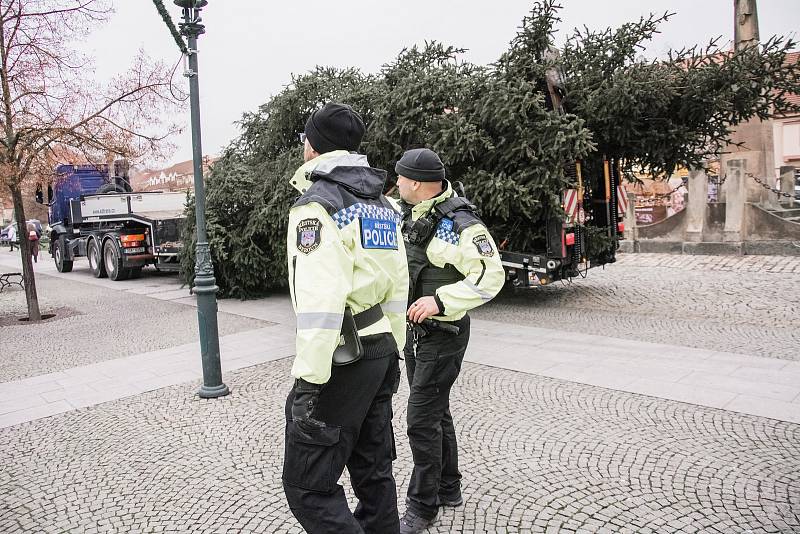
(251, 47)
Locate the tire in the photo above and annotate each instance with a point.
(134, 272)
(508, 289)
(59, 253)
(112, 258)
(96, 263)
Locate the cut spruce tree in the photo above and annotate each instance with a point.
(501, 130)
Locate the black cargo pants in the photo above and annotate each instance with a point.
(431, 374)
(356, 406)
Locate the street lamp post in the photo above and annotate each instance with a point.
(205, 285)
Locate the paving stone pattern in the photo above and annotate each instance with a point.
(538, 455)
(748, 305)
(739, 264)
(109, 325)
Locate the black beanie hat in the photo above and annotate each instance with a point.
(334, 127)
(420, 164)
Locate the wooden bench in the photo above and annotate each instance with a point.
(7, 280)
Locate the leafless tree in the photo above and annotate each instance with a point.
(51, 104)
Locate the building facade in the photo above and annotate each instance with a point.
(178, 177)
(786, 131)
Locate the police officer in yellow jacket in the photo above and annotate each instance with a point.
(454, 266)
(348, 278)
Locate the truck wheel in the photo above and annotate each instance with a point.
(59, 254)
(113, 261)
(134, 272)
(96, 263)
(508, 289)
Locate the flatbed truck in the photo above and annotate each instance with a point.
(97, 216)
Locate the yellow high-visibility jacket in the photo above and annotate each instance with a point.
(344, 248)
(464, 242)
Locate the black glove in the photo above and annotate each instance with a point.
(306, 398)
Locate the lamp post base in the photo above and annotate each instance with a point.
(206, 392)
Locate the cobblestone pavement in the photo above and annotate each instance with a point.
(538, 455)
(138, 324)
(739, 264)
(744, 304)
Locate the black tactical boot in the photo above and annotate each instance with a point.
(411, 523)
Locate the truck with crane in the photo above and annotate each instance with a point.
(94, 213)
(586, 231)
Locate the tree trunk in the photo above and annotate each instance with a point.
(25, 251)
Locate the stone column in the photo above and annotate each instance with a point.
(734, 201)
(696, 206)
(754, 137)
(631, 230)
(787, 185)
(745, 27)
(771, 201)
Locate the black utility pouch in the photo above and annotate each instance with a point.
(350, 349)
(396, 385)
(421, 230)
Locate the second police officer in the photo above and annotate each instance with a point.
(453, 267)
(349, 282)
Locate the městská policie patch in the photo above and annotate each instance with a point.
(308, 235)
(483, 245)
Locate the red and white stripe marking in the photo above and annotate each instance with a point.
(622, 200)
(571, 203)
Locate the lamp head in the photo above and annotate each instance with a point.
(191, 4)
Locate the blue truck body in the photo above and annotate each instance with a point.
(72, 182)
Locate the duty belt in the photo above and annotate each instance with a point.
(368, 317)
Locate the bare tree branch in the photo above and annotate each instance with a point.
(50, 111)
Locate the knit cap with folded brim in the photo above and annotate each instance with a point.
(335, 127)
(420, 164)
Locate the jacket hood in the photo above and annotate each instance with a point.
(351, 171)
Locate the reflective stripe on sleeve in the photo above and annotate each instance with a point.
(394, 306)
(483, 294)
(328, 321)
